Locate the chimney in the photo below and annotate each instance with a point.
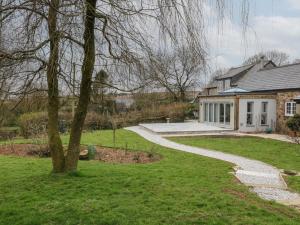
(262, 62)
(263, 58)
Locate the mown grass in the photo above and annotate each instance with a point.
(182, 189)
(280, 154)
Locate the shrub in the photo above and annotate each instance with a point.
(35, 123)
(32, 124)
(293, 123)
(40, 151)
(8, 132)
(176, 112)
(191, 111)
(95, 121)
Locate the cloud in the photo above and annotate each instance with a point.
(281, 33)
(295, 4)
(264, 33)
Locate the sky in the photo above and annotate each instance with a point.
(272, 25)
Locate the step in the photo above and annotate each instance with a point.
(257, 179)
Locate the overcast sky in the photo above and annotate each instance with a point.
(273, 25)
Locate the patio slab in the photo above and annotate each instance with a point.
(181, 128)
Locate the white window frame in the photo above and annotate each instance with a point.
(264, 113)
(216, 112)
(250, 113)
(206, 112)
(290, 107)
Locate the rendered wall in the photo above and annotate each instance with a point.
(257, 108)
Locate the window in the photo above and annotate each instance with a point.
(205, 112)
(221, 116)
(215, 112)
(210, 112)
(264, 113)
(227, 113)
(290, 108)
(250, 113)
(227, 84)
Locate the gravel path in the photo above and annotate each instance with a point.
(264, 179)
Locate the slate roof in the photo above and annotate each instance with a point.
(278, 78)
(234, 71)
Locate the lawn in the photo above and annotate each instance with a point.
(182, 188)
(282, 155)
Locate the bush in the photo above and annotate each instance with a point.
(95, 121)
(293, 123)
(192, 111)
(33, 124)
(8, 132)
(40, 151)
(176, 112)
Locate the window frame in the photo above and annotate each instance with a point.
(291, 109)
(210, 112)
(264, 113)
(221, 113)
(227, 113)
(206, 112)
(216, 112)
(250, 113)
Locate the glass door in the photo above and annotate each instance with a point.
(221, 113)
(224, 113)
(227, 114)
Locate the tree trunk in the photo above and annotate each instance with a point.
(182, 96)
(55, 143)
(85, 88)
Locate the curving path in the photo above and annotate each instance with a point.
(264, 179)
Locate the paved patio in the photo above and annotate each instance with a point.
(195, 128)
(182, 128)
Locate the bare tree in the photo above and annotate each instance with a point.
(178, 71)
(279, 58)
(46, 37)
(216, 73)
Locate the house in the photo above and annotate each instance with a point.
(252, 98)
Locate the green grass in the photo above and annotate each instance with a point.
(182, 189)
(282, 155)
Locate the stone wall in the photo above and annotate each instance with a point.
(282, 98)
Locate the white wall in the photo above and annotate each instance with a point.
(256, 127)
